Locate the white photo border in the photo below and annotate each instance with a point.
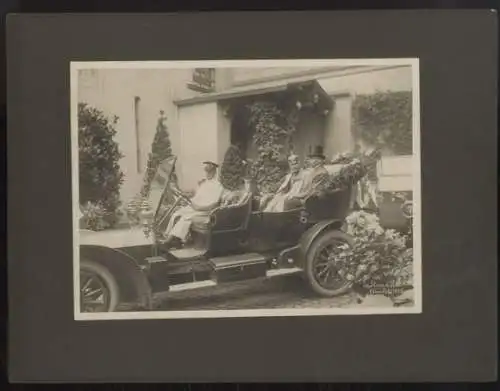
(255, 63)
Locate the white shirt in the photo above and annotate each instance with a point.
(208, 193)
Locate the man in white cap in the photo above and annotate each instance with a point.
(206, 198)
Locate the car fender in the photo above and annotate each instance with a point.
(313, 232)
(134, 286)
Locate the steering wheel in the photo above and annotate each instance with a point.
(179, 194)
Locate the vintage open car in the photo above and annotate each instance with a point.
(235, 243)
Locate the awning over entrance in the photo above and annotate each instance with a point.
(309, 90)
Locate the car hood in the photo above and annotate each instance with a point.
(114, 238)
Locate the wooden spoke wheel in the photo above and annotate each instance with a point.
(99, 290)
(322, 270)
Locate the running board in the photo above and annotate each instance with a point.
(210, 283)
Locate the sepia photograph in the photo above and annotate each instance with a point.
(246, 188)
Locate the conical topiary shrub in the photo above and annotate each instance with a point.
(160, 150)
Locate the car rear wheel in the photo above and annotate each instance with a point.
(99, 291)
(322, 272)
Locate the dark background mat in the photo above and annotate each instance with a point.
(455, 337)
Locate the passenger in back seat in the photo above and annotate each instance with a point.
(236, 197)
(294, 185)
(314, 176)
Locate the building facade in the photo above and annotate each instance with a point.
(196, 104)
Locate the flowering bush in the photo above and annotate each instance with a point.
(94, 216)
(378, 257)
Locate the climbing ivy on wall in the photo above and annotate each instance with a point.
(274, 120)
(384, 120)
(232, 172)
(273, 127)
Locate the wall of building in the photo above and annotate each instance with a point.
(358, 80)
(369, 81)
(250, 76)
(338, 135)
(204, 137)
(202, 131)
(114, 91)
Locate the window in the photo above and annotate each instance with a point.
(203, 80)
(137, 111)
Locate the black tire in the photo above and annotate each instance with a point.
(325, 240)
(101, 278)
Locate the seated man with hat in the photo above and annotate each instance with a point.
(313, 176)
(206, 198)
(293, 186)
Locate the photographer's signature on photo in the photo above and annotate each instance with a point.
(387, 289)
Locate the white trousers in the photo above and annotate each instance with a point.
(180, 222)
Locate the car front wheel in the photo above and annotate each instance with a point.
(321, 271)
(99, 290)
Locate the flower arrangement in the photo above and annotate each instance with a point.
(378, 257)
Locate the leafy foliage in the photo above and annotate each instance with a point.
(99, 155)
(233, 169)
(379, 257)
(384, 120)
(355, 167)
(273, 128)
(94, 216)
(160, 149)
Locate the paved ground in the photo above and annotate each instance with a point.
(279, 292)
